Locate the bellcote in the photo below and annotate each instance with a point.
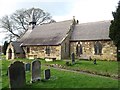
(32, 21)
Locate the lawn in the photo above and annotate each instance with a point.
(105, 68)
(67, 79)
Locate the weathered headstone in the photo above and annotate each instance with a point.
(90, 58)
(47, 74)
(94, 61)
(118, 58)
(36, 69)
(27, 67)
(67, 63)
(16, 73)
(73, 58)
(7, 73)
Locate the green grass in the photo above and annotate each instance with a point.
(4, 64)
(107, 68)
(65, 79)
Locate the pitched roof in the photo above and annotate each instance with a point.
(91, 31)
(24, 37)
(48, 34)
(17, 47)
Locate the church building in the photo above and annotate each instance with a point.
(56, 41)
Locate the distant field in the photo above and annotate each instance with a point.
(67, 79)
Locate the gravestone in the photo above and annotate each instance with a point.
(67, 63)
(47, 74)
(16, 73)
(73, 58)
(94, 61)
(36, 69)
(27, 67)
(118, 58)
(90, 58)
(6, 73)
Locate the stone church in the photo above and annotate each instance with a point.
(56, 41)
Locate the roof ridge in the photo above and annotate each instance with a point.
(94, 22)
(55, 22)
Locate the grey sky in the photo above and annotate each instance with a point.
(83, 10)
(54, 8)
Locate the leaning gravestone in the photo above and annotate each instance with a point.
(73, 58)
(36, 69)
(16, 73)
(27, 67)
(47, 74)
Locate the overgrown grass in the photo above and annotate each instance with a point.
(65, 79)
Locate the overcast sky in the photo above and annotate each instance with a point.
(83, 10)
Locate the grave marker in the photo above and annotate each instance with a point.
(27, 67)
(36, 69)
(73, 58)
(47, 74)
(94, 61)
(16, 73)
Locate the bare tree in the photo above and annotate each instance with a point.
(17, 23)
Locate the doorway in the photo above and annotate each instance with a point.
(10, 54)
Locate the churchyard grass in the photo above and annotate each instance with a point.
(67, 79)
(105, 68)
(64, 79)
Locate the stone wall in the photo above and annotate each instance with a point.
(40, 52)
(65, 48)
(108, 50)
(59, 52)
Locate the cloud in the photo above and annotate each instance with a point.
(83, 10)
(90, 10)
(6, 7)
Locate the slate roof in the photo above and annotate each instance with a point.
(25, 35)
(91, 31)
(48, 34)
(17, 47)
(54, 33)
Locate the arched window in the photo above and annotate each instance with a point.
(28, 50)
(98, 48)
(81, 52)
(47, 50)
(79, 49)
